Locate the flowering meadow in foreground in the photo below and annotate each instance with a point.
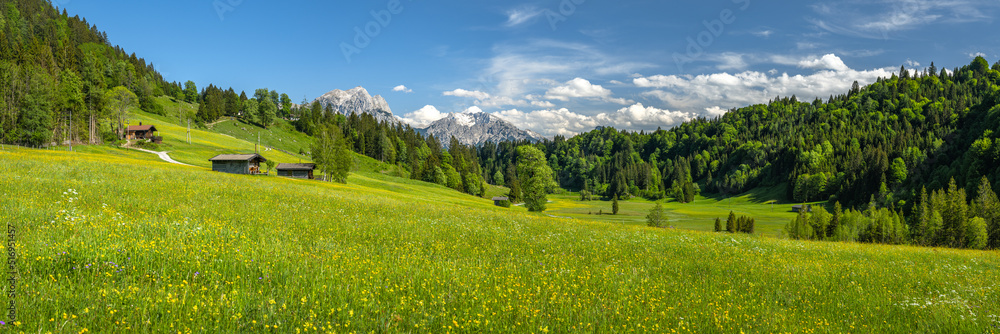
(120, 245)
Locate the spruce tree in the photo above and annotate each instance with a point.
(718, 225)
(731, 222)
(614, 205)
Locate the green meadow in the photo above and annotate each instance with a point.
(113, 241)
(770, 214)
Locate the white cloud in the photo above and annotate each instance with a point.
(467, 93)
(763, 33)
(582, 88)
(725, 90)
(473, 110)
(423, 117)
(879, 19)
(402, 88)
(485, 99)
(521, 15)
(715, 111)
(639, 117)
(828, 62)
(551, 122)
(911, 63)
(578, 87)
(543, 104)
(977, 54)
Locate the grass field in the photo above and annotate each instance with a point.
(770, 215)
(120, 243)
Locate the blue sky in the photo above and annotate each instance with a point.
(552, 66)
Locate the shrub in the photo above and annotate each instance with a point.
(655, 217)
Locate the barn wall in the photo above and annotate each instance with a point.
(231, 167)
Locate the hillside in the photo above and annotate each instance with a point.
(119, 244)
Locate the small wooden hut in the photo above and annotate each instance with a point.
(499, 201)
(142, 132)
(247, 164)
(298, 171)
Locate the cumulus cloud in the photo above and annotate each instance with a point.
(402, 88)
(725, 90)
(473, 110)
(423, 117)
(828, 62)
(639, 117)
(551, 122)
(582, 88)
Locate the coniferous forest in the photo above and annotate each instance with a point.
(908, 159)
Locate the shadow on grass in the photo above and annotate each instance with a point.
(760, 195)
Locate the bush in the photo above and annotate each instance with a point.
(655, 217)
(504, 203)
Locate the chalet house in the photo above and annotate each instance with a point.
(298, 171)
(247, 164)
(142, 132)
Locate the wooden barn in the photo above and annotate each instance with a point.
(298, 171)
(142, 132)
(247, 164)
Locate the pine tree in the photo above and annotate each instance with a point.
(614, 205)
(987, 207)
(718, 225)
(731, 223)
(838, 213)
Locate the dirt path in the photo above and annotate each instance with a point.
(163, 156)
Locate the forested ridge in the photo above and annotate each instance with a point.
(876, 148)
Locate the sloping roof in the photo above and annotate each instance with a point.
(141, 128)
(296, 166)
(501, 199)
(237, 157)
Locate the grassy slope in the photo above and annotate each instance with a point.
(169, 248)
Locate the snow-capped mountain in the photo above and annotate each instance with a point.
(357, 100)
(477, 128)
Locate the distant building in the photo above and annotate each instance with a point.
(142, 132)
(247, 164)
(798, 208)
(298, 171)
(498, 201)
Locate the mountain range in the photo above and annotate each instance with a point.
(469, 128)
(357, 101)
(477, 128)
